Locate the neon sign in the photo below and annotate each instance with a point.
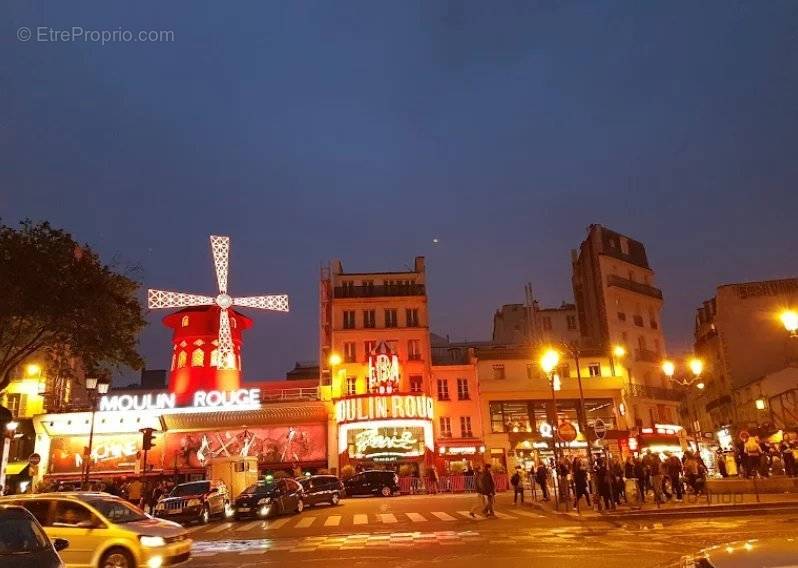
(237, 399)
(383, 370)
(365, 408)
(373, 444)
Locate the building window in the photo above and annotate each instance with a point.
(443, 389)
(571, 322)
(411, 314)
(621, 316)
(530, 371)
(638, 320)
(465, 427)
(546, 320)
(390, 318)
(349, 319)
(350, 352)
(415, 384)
(414, 350)
(446, 427)
(215, 358)
(197, 358)
(351, 386)
(462, 389)
(368, 284)
(184, 321)
(369, 319)
(181, 359)
(653, 322)
(594, 369)
(13, 402)
(349, 287)
(498, 372)
(564, 371)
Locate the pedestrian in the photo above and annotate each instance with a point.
(788, 458)
(480, 502)
(580, 483)
(752, 455)
(603, 482)
(489, 491)
(674, 468)
(616, 471)
(468, 474)
(541, 476)
(691, 471)
(517, 481)
(721, 461)
(135, 492)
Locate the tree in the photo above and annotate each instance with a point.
(57, 297)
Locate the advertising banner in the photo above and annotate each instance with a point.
(111, 453)
(272, 445)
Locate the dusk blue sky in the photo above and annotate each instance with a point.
(364, 130)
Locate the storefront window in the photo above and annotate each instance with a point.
(600, 408)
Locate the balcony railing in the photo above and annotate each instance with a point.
(380, 290)
(290, 394)
(647, 356)
(658, 393)
(631, 285)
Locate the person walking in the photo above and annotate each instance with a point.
(541, 476)
(580, 484)
(489, 491)
(517, 481)
(616, 471)
(603, 483)
(788, 458)
(479, 505)
(643, 472)
(674, 468)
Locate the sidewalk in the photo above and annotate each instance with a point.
(720, 503)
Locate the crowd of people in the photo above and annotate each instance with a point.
(759, 458)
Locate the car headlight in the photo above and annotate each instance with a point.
(264, 501)
(193, 503)
(152, 541)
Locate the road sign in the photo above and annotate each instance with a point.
(744, 435)
(566, 431)
(35, 459)
(599, 428)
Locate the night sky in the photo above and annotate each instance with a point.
(364, 130)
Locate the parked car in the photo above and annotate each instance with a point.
(269, 498)
(322, 489)
(104, 530)
(372, 482)
(23, 542)
(194, 502)
(769, 552)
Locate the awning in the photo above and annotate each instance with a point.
(14, 468)
(277, 413)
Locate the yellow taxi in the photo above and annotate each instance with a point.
(105, 531)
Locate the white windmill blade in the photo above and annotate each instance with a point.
(220, 246)
(226, 355)
(276, 302)
(166, 299)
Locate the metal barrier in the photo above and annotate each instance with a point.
(448, 484)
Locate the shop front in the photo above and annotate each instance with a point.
(380, 431)
(458, 456)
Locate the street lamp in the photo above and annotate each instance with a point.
(790, 320)
(549, 362)
(696, 367)
(95, 389)
(8, 435)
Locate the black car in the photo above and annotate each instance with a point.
(269, 498)
(196, 501)
(373, 482)
(23, 543)
(322, 489)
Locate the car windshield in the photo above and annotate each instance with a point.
(261, 489)
(118, 511)
(20, 535)
(198, 488)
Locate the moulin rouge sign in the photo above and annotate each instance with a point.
(241, 398)
(383, 407)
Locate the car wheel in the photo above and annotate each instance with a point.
(386, 491)
(300, 506)
(335, 499)
(117, 558)
(205, 516)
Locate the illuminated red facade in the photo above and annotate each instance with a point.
(195, 354)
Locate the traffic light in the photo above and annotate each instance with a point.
(148, 440)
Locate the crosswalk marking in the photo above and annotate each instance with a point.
(220, 528)
(387, 518)
(247, 526)
(333, 521)
(361, 519)
(305, 522)
(504, 515)
(527, 514)
(443, 516)
(468, 515)
(416, 518)
(276, 523)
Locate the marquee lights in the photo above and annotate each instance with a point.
(399, 425)
(241, 399)
(383, 407)
(220, 246)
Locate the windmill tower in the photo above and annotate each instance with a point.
(207, 332)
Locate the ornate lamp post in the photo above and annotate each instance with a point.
(696, 367)
(790, 320)
(95, 389)
(8, 435)
(549, 362)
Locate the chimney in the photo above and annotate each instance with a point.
(420, 264)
